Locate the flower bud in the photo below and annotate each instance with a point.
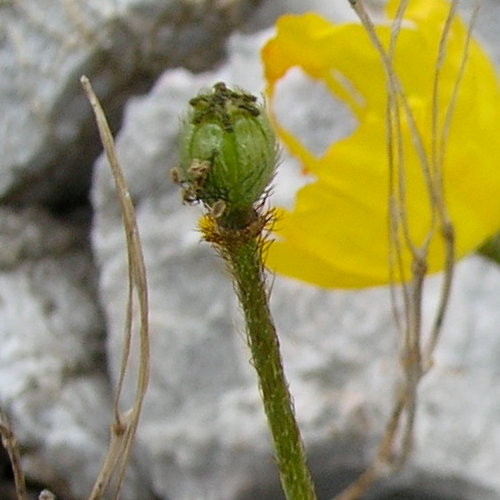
(228, 154)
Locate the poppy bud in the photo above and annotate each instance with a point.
(228, 154)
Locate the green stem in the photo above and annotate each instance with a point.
(245, 259)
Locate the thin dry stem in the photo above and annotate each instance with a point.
(125, 422)
(9, 442)
(416, 354)
(397, 104)
(395, 156)
(447, 230)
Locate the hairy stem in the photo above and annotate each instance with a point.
(245, 261)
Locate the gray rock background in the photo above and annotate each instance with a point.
(62, 277)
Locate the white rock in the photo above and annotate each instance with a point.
(54, 385)
(47, 137)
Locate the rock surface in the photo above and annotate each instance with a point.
(53, 379)
(47, 139)
(52, 370)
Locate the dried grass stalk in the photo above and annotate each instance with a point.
(125, 423)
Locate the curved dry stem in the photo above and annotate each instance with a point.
(125, 422)
(9, 442)
(447, 230)
(416, 354)
(397, 104)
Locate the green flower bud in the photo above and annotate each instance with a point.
(228, 154)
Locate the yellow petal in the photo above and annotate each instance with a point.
(337, 233)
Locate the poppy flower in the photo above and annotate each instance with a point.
(338, 232)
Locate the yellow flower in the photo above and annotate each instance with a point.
(337, 234)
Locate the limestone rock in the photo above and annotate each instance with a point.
(46, 138)
(54, 384)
